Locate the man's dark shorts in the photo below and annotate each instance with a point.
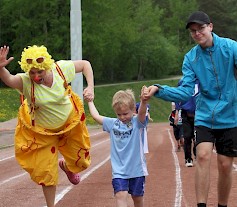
(225, 140)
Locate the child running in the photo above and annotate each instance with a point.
(127, 156)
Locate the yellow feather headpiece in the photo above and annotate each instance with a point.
(30, 58)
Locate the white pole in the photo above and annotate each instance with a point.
(76, 43)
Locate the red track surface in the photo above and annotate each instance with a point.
(169, 184)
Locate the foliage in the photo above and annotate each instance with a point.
(124, 40)
(128, 42)
(9, 102)
(224, 17)
(25, 23)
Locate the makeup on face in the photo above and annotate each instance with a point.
(37, 75)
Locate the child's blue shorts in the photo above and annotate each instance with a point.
(134, 186)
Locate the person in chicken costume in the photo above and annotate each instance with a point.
(51, 117)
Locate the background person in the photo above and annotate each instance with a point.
(176, 123)
(146, 149)
(148, 114)
(188, 113)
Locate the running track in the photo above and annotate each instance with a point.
(169, 184)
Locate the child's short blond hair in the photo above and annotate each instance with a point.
(124, 97)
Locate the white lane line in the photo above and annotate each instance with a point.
(60, 195)
(97, 133)
(12, 178)
(234, 167)
(7, 158)
(100, 143)
(179, 193)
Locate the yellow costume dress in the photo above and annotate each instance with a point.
(51, 120)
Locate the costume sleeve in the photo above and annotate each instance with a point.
(26, 85)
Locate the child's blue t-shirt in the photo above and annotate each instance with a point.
(127, 150)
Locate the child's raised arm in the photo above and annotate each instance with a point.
(94, 113)
(143, 105)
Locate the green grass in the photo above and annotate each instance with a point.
(9, 103)
(159, 109)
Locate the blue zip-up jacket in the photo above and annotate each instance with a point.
(215, 68)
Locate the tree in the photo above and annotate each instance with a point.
(224, 18)
(124, 40)
(39, 22)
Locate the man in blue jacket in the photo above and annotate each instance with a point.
(213, 63)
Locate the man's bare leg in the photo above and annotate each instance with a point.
(224, 178)
(202, 173)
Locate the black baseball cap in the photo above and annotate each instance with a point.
(198, 17)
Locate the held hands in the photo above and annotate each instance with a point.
(3, 57)
(88, 94)
(144, 94)
(151, 90)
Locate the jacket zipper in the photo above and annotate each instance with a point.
(218, 87)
